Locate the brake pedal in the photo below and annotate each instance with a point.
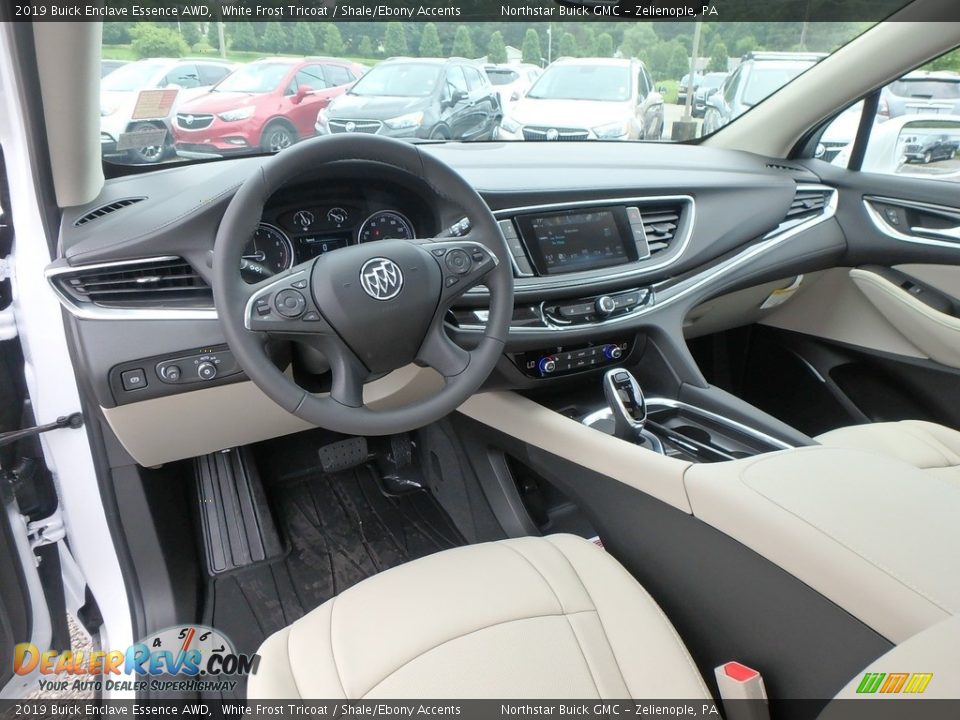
(343, 454)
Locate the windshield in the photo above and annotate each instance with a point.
(765, 80)
(256, 78)
(400, 80)
(135, 76)
(583, 82)
(934, 89)
(498, 77)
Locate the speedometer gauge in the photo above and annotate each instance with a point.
(268, 253)
(385, 225)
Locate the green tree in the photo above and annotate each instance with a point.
(430, 42)
(462, 44)
(568, 45)
(274, 39)
(153, 41)
(301, 40)
(605, 45)
(213, 35)
(496, 49)
(949, 61)
(190, 32)
(242, 36)
(366, 47)
(333, 40)
(116, 33)
(718, 57)
(394, 40)
(745, 44)
(639, 40)
(530, 48)
(678, 64)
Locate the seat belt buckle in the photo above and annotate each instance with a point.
(742, 692)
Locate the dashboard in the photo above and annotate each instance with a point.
(610, 244)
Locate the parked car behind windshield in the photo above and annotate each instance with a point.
(588, 99)
(124, 110)
(267, 105)
(430, 98)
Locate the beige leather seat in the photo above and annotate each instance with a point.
(553, 617)
(927, 446)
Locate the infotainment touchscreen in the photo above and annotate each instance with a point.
(579, 240)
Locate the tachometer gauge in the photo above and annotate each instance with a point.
(384, 225)
(268, 253)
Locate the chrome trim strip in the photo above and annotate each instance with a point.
(91, 311)
(665, 296)
(603, 413)
(636, 269)
(887, 229)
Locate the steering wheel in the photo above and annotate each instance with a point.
(369, 308)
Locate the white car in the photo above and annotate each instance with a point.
(124, 109)
(588, 99)
(512, 82)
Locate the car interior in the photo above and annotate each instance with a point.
(351, 406)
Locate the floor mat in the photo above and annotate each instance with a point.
(340, 528)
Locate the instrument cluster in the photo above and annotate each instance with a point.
(293, 233)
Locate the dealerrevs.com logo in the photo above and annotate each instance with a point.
(179, 658)
(894, 683)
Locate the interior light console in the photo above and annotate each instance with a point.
(575, 240)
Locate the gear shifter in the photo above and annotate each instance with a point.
(629, 408)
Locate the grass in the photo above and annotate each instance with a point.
(669, 90)
(125, 52)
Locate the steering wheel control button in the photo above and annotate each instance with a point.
(133, 379)
(457, 261)
(207, 371)
(311, 316)
(290, 303)
(439, 252)
(301, 284)
(451, 280)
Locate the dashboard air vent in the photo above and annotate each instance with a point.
(786, 168)
(104, 210)
(660, 224)
(807, 203)
(162, 282)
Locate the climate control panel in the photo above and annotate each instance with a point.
(570, 359)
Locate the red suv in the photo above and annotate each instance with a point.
(271, 104)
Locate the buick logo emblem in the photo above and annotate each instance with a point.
(350, 126)
(553, 134)
(381, 278)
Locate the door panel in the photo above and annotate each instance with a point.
(930, 323)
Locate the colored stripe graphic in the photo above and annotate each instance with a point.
(918, 682)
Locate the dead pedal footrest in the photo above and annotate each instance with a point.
(238, 529)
